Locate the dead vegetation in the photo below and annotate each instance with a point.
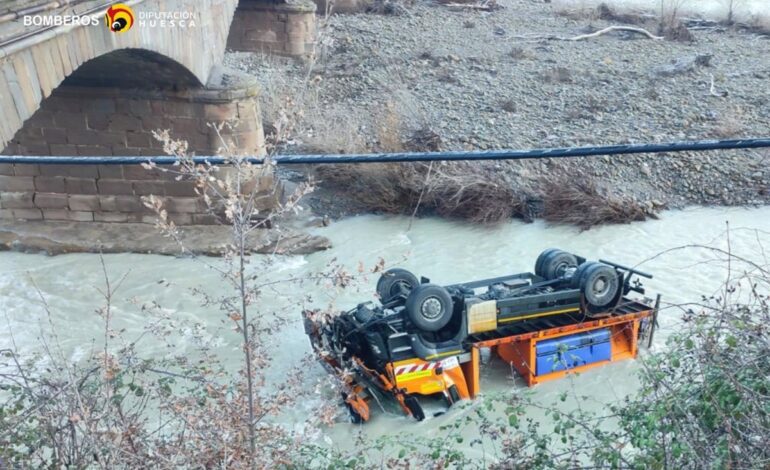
(730, 124)
(454, 190)
(446, 189)
(580, 202)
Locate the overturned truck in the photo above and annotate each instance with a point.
(423, 339)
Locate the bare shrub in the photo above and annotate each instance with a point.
(424, 139)
(730, 124)
(508, 105)
(606, 13)
(334, 131)
(580, 202)
(557, 75)
(449, 190)
(389, 128)
(519, 53)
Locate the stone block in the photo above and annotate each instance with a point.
(77, 171)
(149, 187)
(27, 170)
(181, 219)
(30, 148)
(94, 151)
(111, 217)
(108, 203)
(187, 205)
(56, 214)
(114, 186)
(123, 123)
(91, 137)
(6, 169)
(110, 172)
(204, 219)
(64, 150)
(6, 214)
(17, 183)
(126, 151)
(139, 108)
(79, 202)
(129, 204)
(80, 185)
(81, 216)
(220, 112)
(51, 200)
(99, 106)
(180, 188)
(28, 214)
(138, 172)
(69, 120)
(55, 135)
(98, 122)
(50, 184)
(16, 200)
(139, 139)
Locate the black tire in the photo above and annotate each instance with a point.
(541, 258)
(355, 417)
(599, 284)
(394, 282)
(575, 281)
(454, 396)
(414, 407)
(429, 307)
(555, 263)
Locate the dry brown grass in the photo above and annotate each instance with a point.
(730, 124)
(580, 202)
(389, 128)
(448, 190)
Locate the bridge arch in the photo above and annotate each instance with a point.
(32, 66)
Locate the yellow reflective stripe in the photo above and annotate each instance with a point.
(553, 312)
(413, 375)
(434, 356)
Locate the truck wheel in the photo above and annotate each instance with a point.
(599, 284)
(556, 263)
(429, 307)
(541, 258)
(394, 282)
(414, 407)
(575, 281)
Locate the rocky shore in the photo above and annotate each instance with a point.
(480, 80)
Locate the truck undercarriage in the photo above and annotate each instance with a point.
(424, 339)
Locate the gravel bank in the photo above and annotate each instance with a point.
(466, 75)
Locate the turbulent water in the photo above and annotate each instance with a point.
(446, 252)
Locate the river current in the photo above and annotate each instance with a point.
(444, 251)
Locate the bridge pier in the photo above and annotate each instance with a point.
(278, 28)
(100, 121)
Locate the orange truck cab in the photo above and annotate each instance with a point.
(424, 339)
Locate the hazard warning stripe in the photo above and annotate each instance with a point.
(409, 368)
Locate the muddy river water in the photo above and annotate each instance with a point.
(447, 252)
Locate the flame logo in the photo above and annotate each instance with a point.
(120, 18)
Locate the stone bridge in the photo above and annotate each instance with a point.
(69, 85)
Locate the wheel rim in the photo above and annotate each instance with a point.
(600, 287)
(431, 308)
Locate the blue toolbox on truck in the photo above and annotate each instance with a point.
(572, 351)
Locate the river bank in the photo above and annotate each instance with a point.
(434, 77)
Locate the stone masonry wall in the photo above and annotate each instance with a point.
(107, 122)
(277, 28)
